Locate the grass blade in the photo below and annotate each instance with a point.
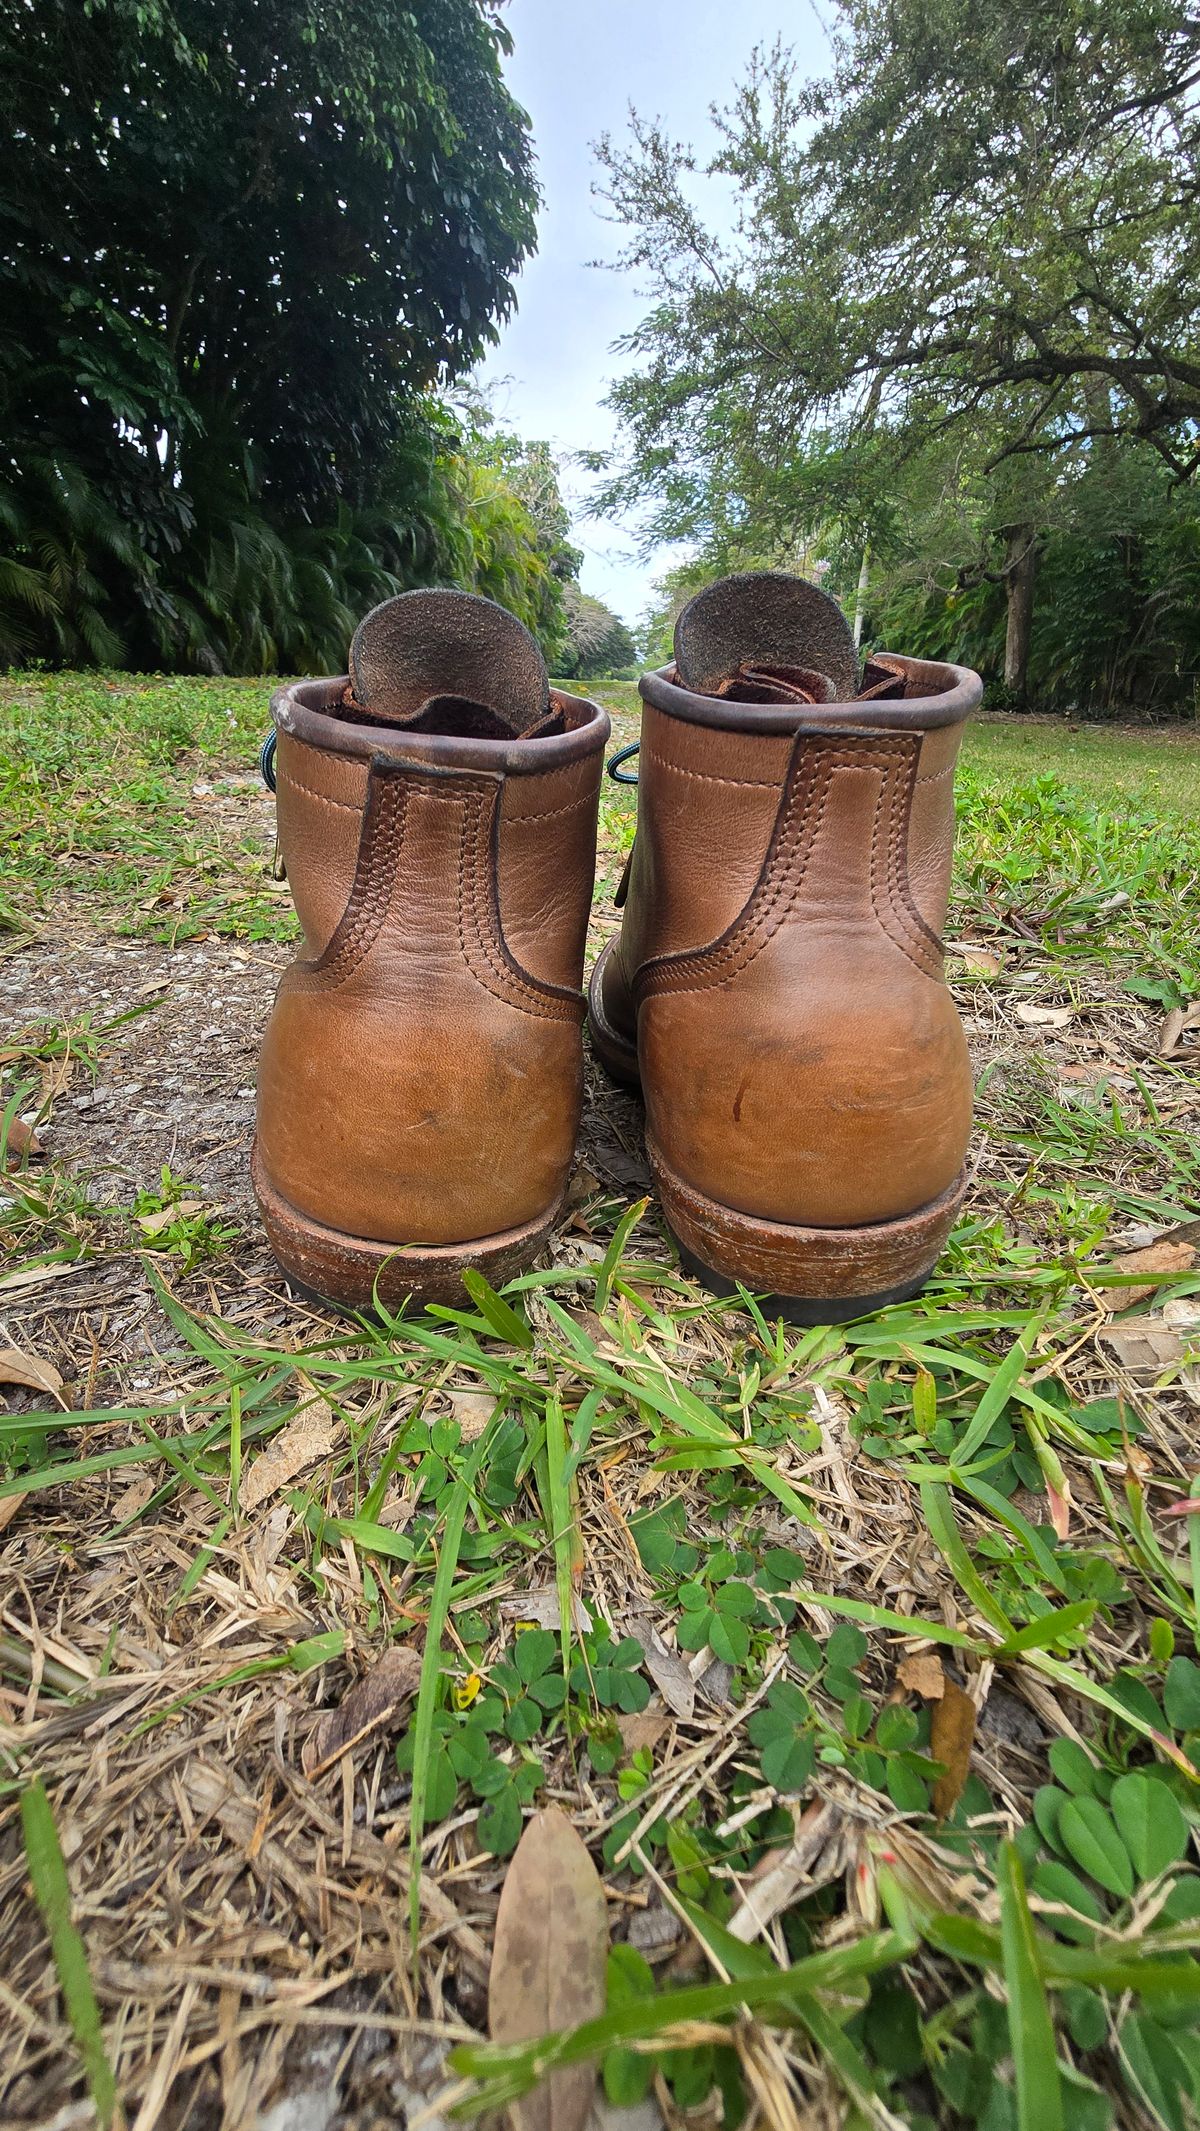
(48, 1872)
(945, 1535)
(508, 2070)
(612, 1256)
(1031, 2030)
(998, 1392)
(431, 1665)
(562, 1522)
(503, 1320)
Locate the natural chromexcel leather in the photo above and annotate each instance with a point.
(777, 982)
(421, 1074)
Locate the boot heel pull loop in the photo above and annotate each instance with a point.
(266, 759)
(623, 754)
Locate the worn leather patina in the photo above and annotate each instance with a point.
(421, 1074)
(777, 983)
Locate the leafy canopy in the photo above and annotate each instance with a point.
(239, 247)
(984, 221)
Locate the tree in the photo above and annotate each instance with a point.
(980, 233)
(599, 644)
(238, 247)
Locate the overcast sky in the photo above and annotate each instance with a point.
(576, 68)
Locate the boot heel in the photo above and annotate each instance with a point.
(349, 1271)
(807, 1275)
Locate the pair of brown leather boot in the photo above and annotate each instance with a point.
(776, 987)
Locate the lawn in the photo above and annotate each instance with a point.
(868, 1652)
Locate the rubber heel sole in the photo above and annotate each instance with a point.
(351, 1272)
(808, 1276)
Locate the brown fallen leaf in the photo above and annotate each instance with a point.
(132, 1499)
(645, 1727)
(548, 1962)
(977, 961)
(153, 1224)
(37, 1275)
(22, 1143)
(951, 1736)
(1156, 1259)
(1148, 1346)
(309, 1435)
(17, 1367)
(667, 1670)
(1175, 1027)
(922, 1674)
(1044, 1017)
(368, 1706)
(472, 1410)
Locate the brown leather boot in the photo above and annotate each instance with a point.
(777, 983)
(421, 1075)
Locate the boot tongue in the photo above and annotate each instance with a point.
(766, 637)
(441, 661)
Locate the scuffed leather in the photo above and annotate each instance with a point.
(421, 1074)
(779, 961)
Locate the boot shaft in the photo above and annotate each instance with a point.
(852, 804)
(511, 821)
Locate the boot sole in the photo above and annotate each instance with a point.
(353, 1272)
(808, 1276)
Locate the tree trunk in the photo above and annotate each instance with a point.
(1020, 569)
(860, 598)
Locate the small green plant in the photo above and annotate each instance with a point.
(174, 1219)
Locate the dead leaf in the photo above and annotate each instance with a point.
(645, 1727)
(667, 1670)
(1182, 1313)
(36, 1374)
(541, 1607)
(472, 1410)
(548, 1962)
(1045, 1017)
(132, 1498)
(370, 1704)
(714, 1680)
(1175, 1027)
(922, 1674)
(1170, 1032)
(951, 1736)
(1156, 1258)
(35, 1275)
(1147, 1347)
(153, 1224)
(309, 1435)
(22, 1143)
(976, 960)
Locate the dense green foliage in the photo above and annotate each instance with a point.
(598, 641)
(957, 328)
(238, 249)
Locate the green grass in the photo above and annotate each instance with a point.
(1039, 1961)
